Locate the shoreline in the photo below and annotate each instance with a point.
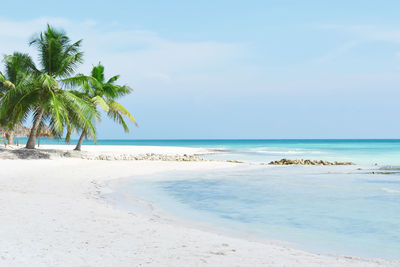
(117, 192)
(53, 217)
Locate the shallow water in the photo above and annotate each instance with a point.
(322, 209)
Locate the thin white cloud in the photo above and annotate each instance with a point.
(337, 52)
(367, 32)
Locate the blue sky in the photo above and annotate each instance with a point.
(235, 69)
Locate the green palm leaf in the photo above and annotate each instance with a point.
(118, 108)
(97, 100)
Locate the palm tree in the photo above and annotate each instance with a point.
(104, 94)
(46, 96)
(15, 78)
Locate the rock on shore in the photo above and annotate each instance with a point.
(148, 156)
(22, 153)
(307, 162)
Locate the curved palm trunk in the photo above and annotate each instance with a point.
(32, 136)
(79, 145)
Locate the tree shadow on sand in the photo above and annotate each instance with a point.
(22, 153)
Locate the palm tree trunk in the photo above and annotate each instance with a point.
(5, 143)
(79, 145)
(9, 139)
(32, 136)
(38, 143)
(17, 140)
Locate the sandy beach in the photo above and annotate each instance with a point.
(52, 214)
(199, 133)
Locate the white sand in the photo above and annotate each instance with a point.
(51, 215)
(131, 149)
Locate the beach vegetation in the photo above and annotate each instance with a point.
(104, 94)
(53, 95)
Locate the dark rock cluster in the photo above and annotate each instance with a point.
(307, 162)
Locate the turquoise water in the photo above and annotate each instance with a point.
(324, 209)
(365, 151)
(339, 210)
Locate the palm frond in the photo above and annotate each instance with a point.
(115, 116)
(120, 109)
(85, 82)
(113, 79)
(98, 73)
(97, 100)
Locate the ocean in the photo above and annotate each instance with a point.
(360, 151)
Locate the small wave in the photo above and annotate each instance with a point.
(391, 191)
(280, 152)
(219, 150)
(390, 168)
(288, 152)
